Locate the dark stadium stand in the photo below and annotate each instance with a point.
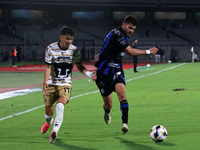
(90, 33)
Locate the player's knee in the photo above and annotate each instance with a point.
(63, 100)
(121, 96)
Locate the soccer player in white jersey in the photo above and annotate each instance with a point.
(59, 58)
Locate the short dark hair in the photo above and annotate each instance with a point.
(131, 19)
(66, 30)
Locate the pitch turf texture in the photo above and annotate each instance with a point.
(166, 94)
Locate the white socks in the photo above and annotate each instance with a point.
(48, 119)
(59, 116)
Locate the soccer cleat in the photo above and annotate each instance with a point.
(45, 127)
(52, 136)
(107, 118)
(124, 128)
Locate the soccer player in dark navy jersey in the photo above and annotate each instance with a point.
(110, 75)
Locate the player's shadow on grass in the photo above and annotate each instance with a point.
(60, 144)
(135, 146)
(164, 143)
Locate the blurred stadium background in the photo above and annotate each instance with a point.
(33, 24)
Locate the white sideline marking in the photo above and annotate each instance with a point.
(18, 93)
(155, 72)
(21, 112)
(42, 106)
(91, 92)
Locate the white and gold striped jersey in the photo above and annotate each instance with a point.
(61, 62)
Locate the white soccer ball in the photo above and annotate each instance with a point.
(158, 133)
(148, 65)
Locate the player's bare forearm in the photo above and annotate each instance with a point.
(81, 68)
(84, 71)
(47, 72)
(46, 77)
(137, 52)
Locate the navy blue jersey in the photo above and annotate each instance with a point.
(112, 52)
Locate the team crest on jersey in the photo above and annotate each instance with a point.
(117, 32)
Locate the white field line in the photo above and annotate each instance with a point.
(91, 92)
(18, 93)
(155, 72)
(42, 106)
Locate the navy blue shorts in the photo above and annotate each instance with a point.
(106, 83)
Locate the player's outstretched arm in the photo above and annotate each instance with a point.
(84, 71)
(137, 52)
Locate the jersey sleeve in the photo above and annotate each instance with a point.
(120, 40)
(48, 55)
(77, 56)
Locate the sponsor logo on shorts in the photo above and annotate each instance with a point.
(102, 91)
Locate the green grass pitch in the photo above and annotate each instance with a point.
(166, 94)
